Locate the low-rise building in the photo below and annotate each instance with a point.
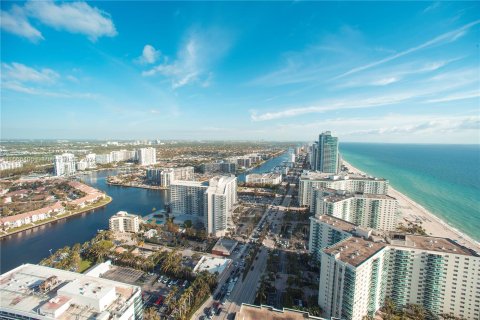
(38, 292)
(124, 222)
(224, 247)
(22, 219)
(254, 312)
(264, 178)
(8, 165)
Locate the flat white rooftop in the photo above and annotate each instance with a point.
(212, 264)
(26, 291)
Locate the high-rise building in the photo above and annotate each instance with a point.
(91, 160)
(354, 183)
(327, 159)
(221, 195)
(183, 173)
(146, 156)
(221, 166)
(103, 158)
(211, 201)
(377, 211)
(359, 270)
(124, 222)
(64, 165)
(164, 177)
(187, 197)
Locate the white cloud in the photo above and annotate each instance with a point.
(19, 87)
(24, 79)
(196, 57)
(17, 23)
(21, 73)
(435, 125)
(348, 103)
(149, 54)
(74, 17)
(390, 75)
(421, 128)
(443, 38)
(422, 91)
(456, 96)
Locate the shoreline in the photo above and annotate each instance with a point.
(433, 225)
(48, 221)
(136, 186)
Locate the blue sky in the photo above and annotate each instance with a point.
(368, 71)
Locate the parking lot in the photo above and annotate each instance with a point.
(127, 275)
(155, 287)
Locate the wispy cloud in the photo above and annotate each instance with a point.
(443, 38)
(436, 125)
(421, 93)
(198, 54)
(350, 103)
(394, 74)
(431, 7)
(22, 73)
(456, 96)
(74, 17)
(15, 21)
(311, 64)
(390, 127)
(24, 79)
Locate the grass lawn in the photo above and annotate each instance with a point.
(84, 265)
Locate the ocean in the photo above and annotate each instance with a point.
(444, 179)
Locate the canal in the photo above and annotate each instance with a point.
(33, 245)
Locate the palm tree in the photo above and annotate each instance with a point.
(389, 309)
(417, 311)
(151, 314)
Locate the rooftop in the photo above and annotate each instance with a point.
(252, 312)
(354, 251)
(269, 175)
(316, 175)
(212, 264)
(225, 245)
(189, 183)
(30, 288)
(218, 184)
(336, 222)
(429, 243)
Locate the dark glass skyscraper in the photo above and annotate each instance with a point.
(327, 159)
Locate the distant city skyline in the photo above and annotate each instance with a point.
(401, 72)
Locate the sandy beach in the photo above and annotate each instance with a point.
(414, 212)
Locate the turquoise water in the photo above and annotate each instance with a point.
(445, 179)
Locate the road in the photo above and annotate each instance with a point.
(240, 283)
(245, 290)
